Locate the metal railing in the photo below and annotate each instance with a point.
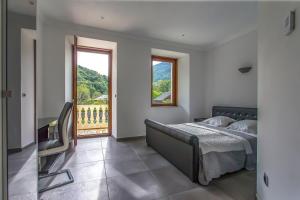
(92, 117)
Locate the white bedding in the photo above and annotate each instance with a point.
(214, 139)
(221, 150)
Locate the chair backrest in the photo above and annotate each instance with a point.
(63, 122)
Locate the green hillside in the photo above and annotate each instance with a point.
(162, 71)
(90, 85)
(161, 79)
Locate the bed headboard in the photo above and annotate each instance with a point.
(237, 113)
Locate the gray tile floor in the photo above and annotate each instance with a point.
(106, 169)
(22, 174)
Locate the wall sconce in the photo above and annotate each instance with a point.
(244, 70)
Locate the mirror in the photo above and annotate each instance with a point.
(21, 107)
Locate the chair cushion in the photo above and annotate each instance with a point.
(50, 144)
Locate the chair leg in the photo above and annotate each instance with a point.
(67, 171)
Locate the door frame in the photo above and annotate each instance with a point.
(3, 101)
(74, 85)
(34, 88)
(74, 90)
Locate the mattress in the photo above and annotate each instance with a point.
(221, 150)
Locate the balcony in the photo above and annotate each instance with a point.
(92, 120)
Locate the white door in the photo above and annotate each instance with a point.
(27, 87)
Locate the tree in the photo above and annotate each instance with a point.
(155, 93)
(90, 85)
(83, 93)
(159, 87)
(164, 85)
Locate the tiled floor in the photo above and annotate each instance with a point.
(22, 174)
(106, 169)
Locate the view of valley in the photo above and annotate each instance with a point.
(91, 86)
(161, 82)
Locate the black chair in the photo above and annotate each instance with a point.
(57, 146)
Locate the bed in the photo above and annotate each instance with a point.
(180, 145)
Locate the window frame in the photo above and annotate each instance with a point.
(174, 80)
(80, 48)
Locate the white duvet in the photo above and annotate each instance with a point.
(213, 139)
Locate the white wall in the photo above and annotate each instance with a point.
(39, 58)
(278, 102)
(133, 76)
(183, 84)
(183, 80)
(27, 87)
(114, 92)
(69, 40)
(15, 23)
(68, 68)
(197, 85)
(90, 42)
(224, 84)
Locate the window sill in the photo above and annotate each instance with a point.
(162, 105)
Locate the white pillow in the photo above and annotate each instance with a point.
(248, 126)
(219, 121)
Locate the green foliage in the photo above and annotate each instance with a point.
(155, 93)
(90, 85)
(163, 85)
(159, 87)
(161, 79)
(83, 93)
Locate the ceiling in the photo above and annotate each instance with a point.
(200, 24)
(25, 7)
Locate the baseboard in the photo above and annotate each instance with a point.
(28, 145)
(14, 150)
(130, 138)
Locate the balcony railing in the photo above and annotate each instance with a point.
(92, 117)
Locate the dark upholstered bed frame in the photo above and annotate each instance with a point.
(237, 113)
(182, 148)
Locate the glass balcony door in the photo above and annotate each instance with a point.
(93, 92)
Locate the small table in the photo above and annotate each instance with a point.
(43, 125)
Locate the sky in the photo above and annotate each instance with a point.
(154, 62)
(94, 61)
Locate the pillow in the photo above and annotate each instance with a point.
(248, 126)
(219, 121)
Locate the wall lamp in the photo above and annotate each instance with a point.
(244, 70)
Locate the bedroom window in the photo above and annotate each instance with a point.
(163, 81)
